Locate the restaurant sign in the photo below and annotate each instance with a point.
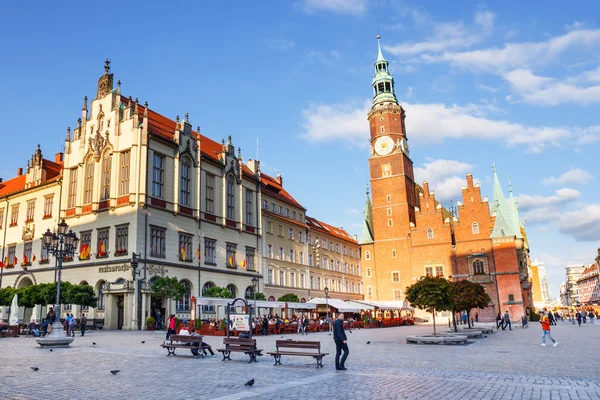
(239, 322)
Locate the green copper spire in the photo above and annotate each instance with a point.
(515, 206)
(505, 222)
(383, 81)
(366, 236)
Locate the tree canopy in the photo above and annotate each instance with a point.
(168, 288)
(260, 296)
(431, 294)
(45, 293)
(468, 295)
(289, 297)
(220, 292)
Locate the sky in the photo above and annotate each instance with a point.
(512, 83)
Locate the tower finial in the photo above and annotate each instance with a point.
(379, 54)
(84, 103)
(509, 186)
(106, 66)
(367, 188)
(494, 167)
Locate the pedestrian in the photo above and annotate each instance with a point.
(591, 315)
(82, 323)
(341, 343)
(158, 319)
(265, 326)
(67, 320)
(499, 321)
(464, 318)
(72, 322)
(578, 316)
(546, 329)
(171, 328)
(551, 318)
(507, 321)
(476, 316)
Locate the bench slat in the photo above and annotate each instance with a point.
(296, 353)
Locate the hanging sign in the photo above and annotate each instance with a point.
(239, 322)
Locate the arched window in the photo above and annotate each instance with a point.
(120, 281)
(106, 171)
(101, 295)
(89, 181)
(369, 291)
(207, 286)
(249, 293)
(367, 255)
(382, 129)
(232, 290)
(230, 198)
(368, 272)
(183, 304)
(184, 184)
(429, 233)
(475, 228)
(478, 267)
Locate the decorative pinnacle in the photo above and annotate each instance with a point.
(509, 185)
(367, 188)
(177, 119)
(187, 117)
(106, 66)
(84, 103)
(494, 167)
(198, 129)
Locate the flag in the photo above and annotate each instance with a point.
(33, 259)
(243, 263)
(5, 260)
(231, 261)
(15, 260)
(183, 253)
(87, 250)
(198, 253)
(24, 258)
(102, 249)
(1, 264)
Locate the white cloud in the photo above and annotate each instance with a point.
(428, 123)
(562, 196)
(281, 44)
(409, 92)
(446, 36)
(330, 58)
(442, 177)
(583, 224)
(572, 176)
(352, 7)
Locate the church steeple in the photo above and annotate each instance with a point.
(366, 236)
(505, 223)
(383, 81)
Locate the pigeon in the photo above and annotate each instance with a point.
(349, 331)
(369, 342)
(115, 371)
(94, 343)
(35, 368)
(143, 341)
(250, 382)
(51, 350)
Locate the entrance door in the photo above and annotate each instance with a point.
(120, 311)
(156, 305)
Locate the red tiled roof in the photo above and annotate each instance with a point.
(282, 217)
(53, 169)
(12, 185)
(17, 184)
(274, 189)
(330, 230)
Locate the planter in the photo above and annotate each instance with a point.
(151, 327)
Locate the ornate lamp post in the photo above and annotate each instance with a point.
(327, 305)
(62, 245)
(254, 285)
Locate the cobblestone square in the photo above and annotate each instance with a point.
(505, 365)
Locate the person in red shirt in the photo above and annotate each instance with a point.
(546, 328)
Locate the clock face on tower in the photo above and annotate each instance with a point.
(384, 145)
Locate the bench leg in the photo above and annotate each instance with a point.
(277, 358)
(226, 355)
(319, 361)
(171, 350)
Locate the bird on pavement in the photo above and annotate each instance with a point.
(349, 331)
(250, 382)
(115, 371)
(369, 342)
(143, 341)
(35, 368)
(94, 343)
(50, 349)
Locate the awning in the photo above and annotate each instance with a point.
(217, 301)
(387, 305)
(340, 305)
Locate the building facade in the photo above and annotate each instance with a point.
(134, 181)
(407, 233)
(571, 290)
(588, 284)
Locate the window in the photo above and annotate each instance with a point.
(390, 222)
(210, 251)
(12, 254)
(511, 297)
(389, 198)
(102, 249)
(330, 246)
(292, 279)
(185, 247)
(310, 239)
(207, 286)
(209, 203)
(250, 252)
(475, 228)
(270, 250)
(478, 267)
(1, 217)
(265, 204)
(302, 283)
(429, 233)
(14, 215)
(351, 252)
(312, 282)
(429, 271)
(183, 304)
(358, 270)
(395, 276)
(301, 258)
(157, 241)
(280, 230)
(27, 253)
(287, 212)
(101, 296)
(249, 196)
(30, 211)
(273, 207)
(367, 255)
(249, 293)
(368, 272)
(72, 187)
(279, 210)
(86, 245)
(345, 251)
(281, 256)
(439, 271)
(270, 277)
(269, 227)
(310, 260)
(106, 167)
(44, 255)
(319, 282)
(301, 236)
(122, 239)
(337, 248)
(291, 233)
(393, 253)
(124, 163)
(388, 211)
(325, 244)
(293, 214)
(185, 181)
(231, 249)
(48, 203)
(292, 256)
(397, 294)
(89, 182)
(281, 278)
(158, 175)
(325, 263)
(232, 290)
(230, 198)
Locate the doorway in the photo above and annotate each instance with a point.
(120, 311)
(156, 305)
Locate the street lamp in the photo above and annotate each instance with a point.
(62, 245)
(327, 305)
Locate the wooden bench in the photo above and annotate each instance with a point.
(297, 344)
(185, 342)
(241, 345)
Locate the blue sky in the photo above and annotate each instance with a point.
(517, 84)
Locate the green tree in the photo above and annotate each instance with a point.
(168, 288)
(82, 295)
(289, 297)
(6, 296)
(260, 296)
(468, 295)
(217, 291)
(431, 294)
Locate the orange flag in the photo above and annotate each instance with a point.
(33, 259)
(183, 253)
(24, 258)
(243, 263)
(102, 248)
(1, 264)
(231, 261)
(15, 260)
(198, 253)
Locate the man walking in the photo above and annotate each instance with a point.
(339, 336)
(82, 322)
(546, 329)
(507, 321)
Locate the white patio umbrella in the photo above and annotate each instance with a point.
(34, 316)
(14, 311)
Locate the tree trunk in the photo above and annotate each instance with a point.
(469, 318)
(454, 321)
(434, 331)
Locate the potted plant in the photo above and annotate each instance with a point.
(150, 323)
